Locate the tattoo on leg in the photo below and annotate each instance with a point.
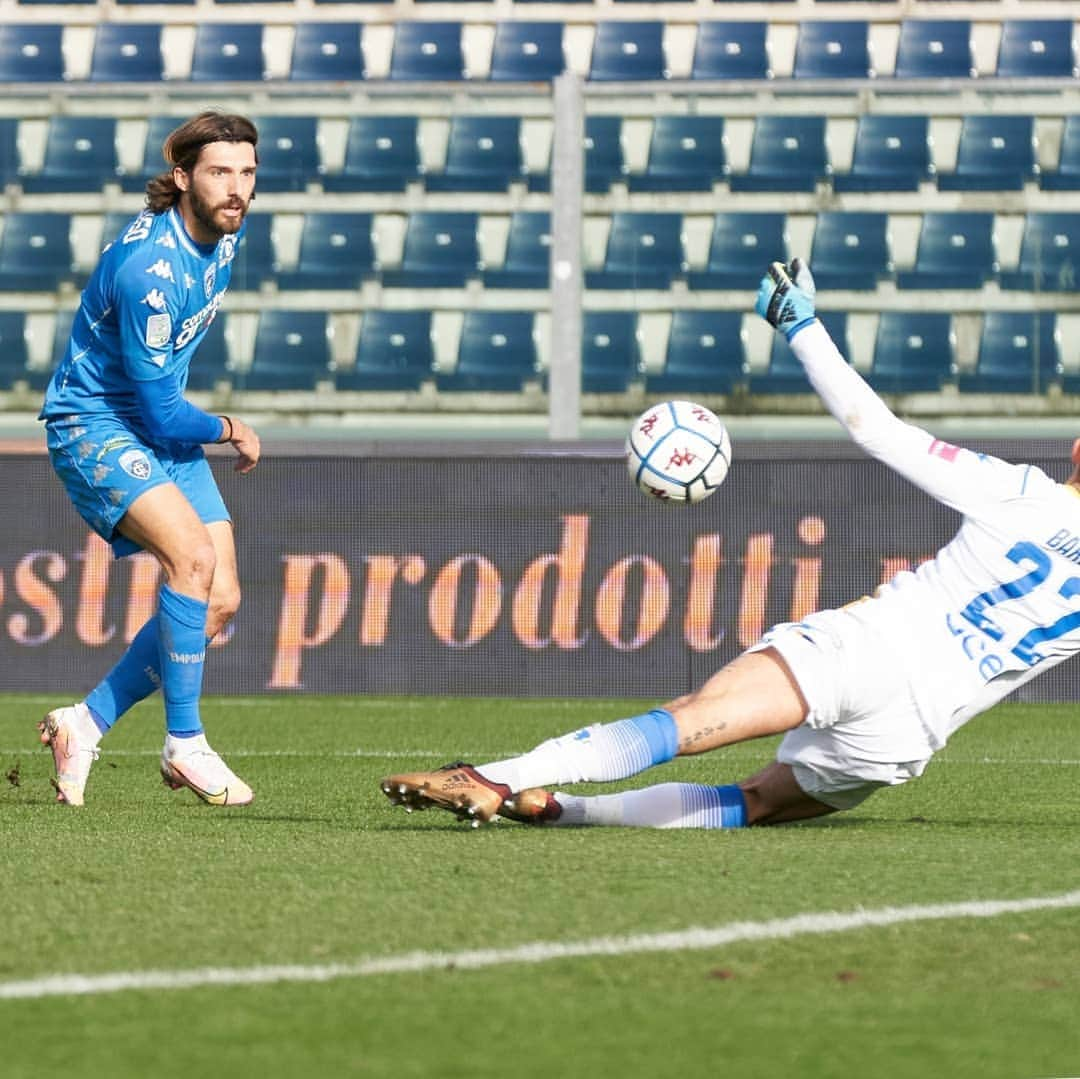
(700, 735)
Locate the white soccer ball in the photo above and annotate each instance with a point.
(678, 451)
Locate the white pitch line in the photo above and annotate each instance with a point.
(538, 952)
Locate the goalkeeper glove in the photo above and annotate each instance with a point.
(785, 297)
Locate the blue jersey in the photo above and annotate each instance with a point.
(143, 313)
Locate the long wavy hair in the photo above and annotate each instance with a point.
(183, 146)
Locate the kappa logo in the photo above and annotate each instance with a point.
(166, 239)
(155, 298)
(161, 268)
(135, 463)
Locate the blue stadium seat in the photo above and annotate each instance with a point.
(527, 263)
(80, 155)
(484, 153)
(996, 153)
(644, 250)
(1018, 353)
(289, 156)
(731, 50)
(14, 355)
(337, 251)
(934, 49)
(784, 374)
(956, 250)
(827, 49)
(153, 162)
(497, 353)
(686, 153)
(628, 51)
(610, 351)
(255, 258)
(787, 153)
(527, 51)
(35, 252)
(892, 153)
(429, 51)
(743, 243)
(605, 161)
(382, 153)
(211, 365)
(395, 352)
(913, 352)
(1036, 48)
(1066, 177)
(31, 53)
(228, 52)
(850, 249)
(442, 250)
(292, 351)
(705, 354)
(328, 51)
(9, 150)
(126, 52)
(1049, 254)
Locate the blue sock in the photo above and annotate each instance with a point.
(182, 650)
(629, 746)
(134, 677)
(724, 807)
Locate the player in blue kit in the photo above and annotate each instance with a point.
(128, 447)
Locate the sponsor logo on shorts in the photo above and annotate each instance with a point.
(135, 463)
(158, 332)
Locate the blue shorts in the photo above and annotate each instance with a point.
(104, 467)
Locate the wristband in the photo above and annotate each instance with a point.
(225, 437)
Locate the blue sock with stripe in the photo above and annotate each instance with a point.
(135, 676)
(181, 624)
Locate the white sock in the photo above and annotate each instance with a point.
(181, 747)
(666, 805)
(84, 722)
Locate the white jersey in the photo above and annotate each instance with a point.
(998, 604)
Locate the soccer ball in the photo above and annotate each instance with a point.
(678, 451)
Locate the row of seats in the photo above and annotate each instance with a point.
(849, 250)
(534, 51)
(499, 351)
(995, 152)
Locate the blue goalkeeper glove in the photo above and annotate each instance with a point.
(785, 297)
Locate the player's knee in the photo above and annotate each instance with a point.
(197, 564)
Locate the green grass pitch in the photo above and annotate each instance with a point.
(320, 870)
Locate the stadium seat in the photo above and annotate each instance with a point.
(828, 49)
(705, 354)
(610, 351)
(255, 259)
(228, 52)
(1018, 353)
(731, 50)
(9, 150)
(628, 51)
(1036, 48)
(292, 351)
(892, 153)
(605, 162)
(913, 352)
(210, 364)
(80, 155)
(327, 51)
(337, 251)
(527, 51)
(382, 153)
(484, 153)
(13, 351)
(497, 353)
(442, 250)
(1066, 177)
(787, 153)
(35, 252)
(428, 51)
(153, 162)
(686, 153)
(934, 49)
(956, 250)
(1049, 254)
(784, 374)
(289, 156)
(126, 52)
(850, 249)
(112, 224)
(644, 250)
(743, 243)
(395, 352)
(31, 53)
(527, 263)
(996, 153)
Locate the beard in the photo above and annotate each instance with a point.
(206, 214)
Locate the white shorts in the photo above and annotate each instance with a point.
(862, 729)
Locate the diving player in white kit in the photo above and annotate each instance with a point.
(864, 694)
